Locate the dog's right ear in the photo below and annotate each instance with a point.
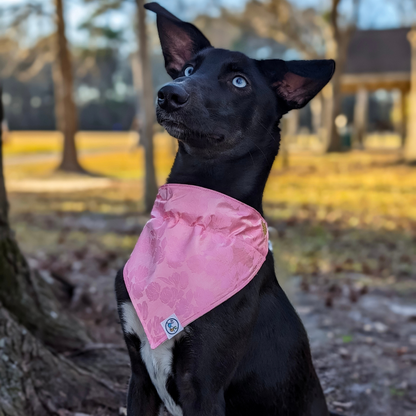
(180, 40)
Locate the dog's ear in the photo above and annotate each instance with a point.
(180, 40)
(297, 82)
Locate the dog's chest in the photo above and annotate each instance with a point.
(158, 361)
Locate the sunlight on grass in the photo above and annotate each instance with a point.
(334, 214)
(130, 164)
(33, 142)
(369, 189)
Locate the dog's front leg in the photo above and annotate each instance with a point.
(211, 353)
(142, 397)
(202, 379)
(200, 401)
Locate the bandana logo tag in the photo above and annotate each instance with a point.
(171, 326)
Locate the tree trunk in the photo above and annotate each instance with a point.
(136, 70)
(147, 106)
(333, 100)
(337, 50)
(35, 380)
(32, 301)
(66, 112)
(29, 297)
(58, 97)
(4, 208)
(38, 382)
(332, 109)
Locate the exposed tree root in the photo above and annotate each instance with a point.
(32, 301)
(36, 381)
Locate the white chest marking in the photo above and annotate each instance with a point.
(158, 361)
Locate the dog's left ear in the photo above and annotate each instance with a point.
(180, 40)
(297, 82)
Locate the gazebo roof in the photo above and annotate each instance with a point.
(379, 51)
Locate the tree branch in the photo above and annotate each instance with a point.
(36, 67)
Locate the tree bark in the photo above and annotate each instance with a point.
(65, 109)
(35, 380)
(334, 143)
(31, 300)
(58, 98)
(4, 207)
(29, 297)
(147, 108)
(333, 95)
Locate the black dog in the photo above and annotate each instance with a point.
(250, 355)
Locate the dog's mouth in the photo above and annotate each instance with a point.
(188, 135)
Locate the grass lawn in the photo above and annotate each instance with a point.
(343, 228)
(35, 142)
(350, 215)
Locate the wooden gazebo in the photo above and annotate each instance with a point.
(379, 59)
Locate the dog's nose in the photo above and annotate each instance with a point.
(172, 97)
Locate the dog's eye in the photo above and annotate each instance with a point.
(188, 71)
(239, 82)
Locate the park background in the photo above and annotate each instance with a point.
(82, 158)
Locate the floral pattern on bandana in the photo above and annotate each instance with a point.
(199, 248)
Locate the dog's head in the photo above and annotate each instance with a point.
(222, 102)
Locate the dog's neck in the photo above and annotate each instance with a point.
(243, 179)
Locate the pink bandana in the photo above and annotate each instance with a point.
(198, 249)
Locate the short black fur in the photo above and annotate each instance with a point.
(250, 355)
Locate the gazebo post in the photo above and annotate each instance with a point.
(293, 123)
(403, 117)
(410, 147)
(360, 117)
(316, 113)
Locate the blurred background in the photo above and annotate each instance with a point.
(83, 157)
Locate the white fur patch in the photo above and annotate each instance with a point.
(158, 361)
(131, 322)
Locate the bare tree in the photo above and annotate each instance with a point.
(147, 105)
(337, 49)
(141, 68)
(25, 63)
(66, 112)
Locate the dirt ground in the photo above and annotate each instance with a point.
(364, 351)
(344, 234)
(363, 337)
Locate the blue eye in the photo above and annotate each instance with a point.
(188, 71)
(239, 82)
